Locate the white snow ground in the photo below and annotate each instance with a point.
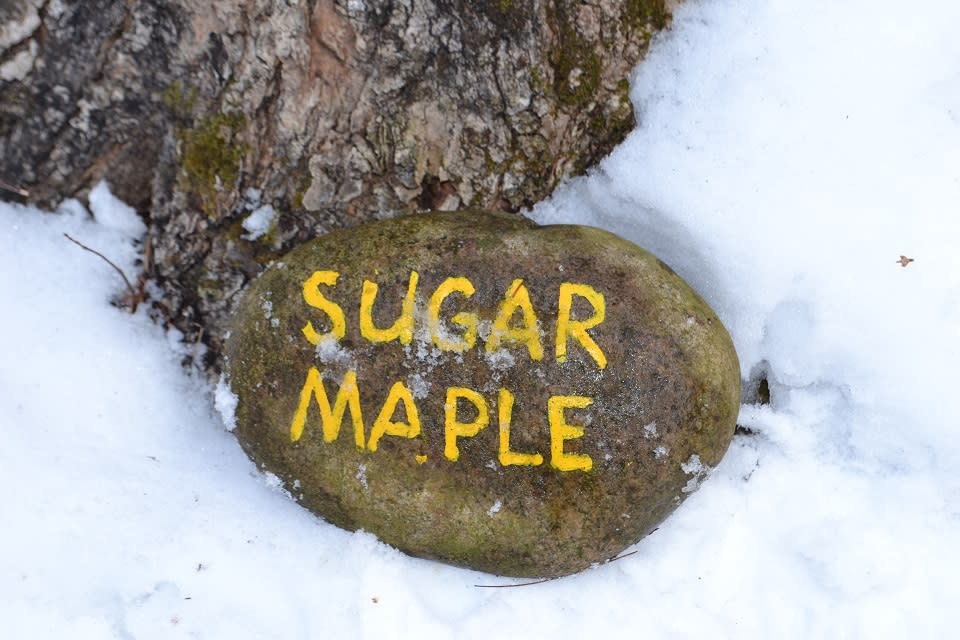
(789, 152)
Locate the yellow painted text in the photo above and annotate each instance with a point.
(402, 329)
(466, 320)
(313, 297)
(409, 425)
(528, 333)
(577, 329)
(348, 396)
(560, 432)
(384, 424)
(505, 416)
(453, 428)
(507, 330)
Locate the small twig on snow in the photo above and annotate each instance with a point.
(626, 555)
(508, 586)
(198, 343)
(542, 580)
(135, 297)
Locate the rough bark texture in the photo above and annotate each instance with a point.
(332, 111)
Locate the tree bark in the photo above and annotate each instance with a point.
(333, 112)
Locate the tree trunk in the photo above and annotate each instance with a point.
(333, 112)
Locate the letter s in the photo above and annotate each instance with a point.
(313, 297)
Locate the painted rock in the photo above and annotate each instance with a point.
(480, 390)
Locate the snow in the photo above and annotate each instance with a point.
(692, 467)
(258, 223)
(787, 155)
(650, 430)
(330, 351)
(225, 402)
(419, 386)
(110, 212)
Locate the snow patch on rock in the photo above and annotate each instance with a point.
(225, 401)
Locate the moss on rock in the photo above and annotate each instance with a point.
(210, 157)
(576, 65)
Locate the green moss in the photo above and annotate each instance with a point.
(210, 156)
(233, 232)
(180, 102)
(639, 14)
(609, 127)
(537, 80)
(578, 70)
(300, 176)
(297, 200)
(576, 65)
(209, 150)
(507, 15)
(210, 288)
(14, 104)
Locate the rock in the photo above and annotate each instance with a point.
(480, 390)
